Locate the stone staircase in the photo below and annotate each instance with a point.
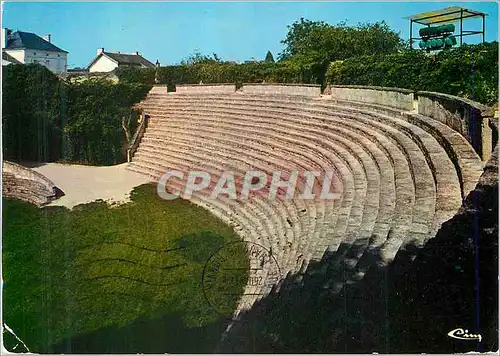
(400, 174)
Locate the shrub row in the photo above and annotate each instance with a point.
(49, 119)
(470, 71)
(94, 130)
(221, 72)
(31, 110)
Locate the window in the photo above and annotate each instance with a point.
(59, 55)
(34, 53)
(47, 54)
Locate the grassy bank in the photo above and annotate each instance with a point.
(121, 279)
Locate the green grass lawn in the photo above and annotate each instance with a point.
(114, 279)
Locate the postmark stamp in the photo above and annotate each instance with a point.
(230, 284)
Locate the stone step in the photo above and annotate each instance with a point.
(465, 148)
(402, 174)
(376, 186)
(230, 132)
(153, 120)
(290, 215)
(200, 137)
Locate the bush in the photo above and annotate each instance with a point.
(222, 72)
(94, 130)
(470, 71)
(48, 119)
(134, 75)
(31, 113)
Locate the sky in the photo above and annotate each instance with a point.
(236, 31)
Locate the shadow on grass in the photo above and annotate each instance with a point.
(406, 307)
(163, 335)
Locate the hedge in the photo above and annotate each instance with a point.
(94, 131)
(48, 119)
(31, 113)
(221, 72)
(470, 71)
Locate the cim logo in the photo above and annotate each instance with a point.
(462, 334)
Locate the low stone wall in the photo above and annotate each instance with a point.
(310, 90)
(205, 88)
(25, 184)
(393, 97)
(158, 89)
(469, 118)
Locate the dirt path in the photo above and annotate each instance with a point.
(84, 184)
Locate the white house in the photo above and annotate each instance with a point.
(28, 47)
(108, 61)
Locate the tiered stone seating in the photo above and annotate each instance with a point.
(400, 174)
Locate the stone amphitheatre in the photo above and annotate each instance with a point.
(404, 163)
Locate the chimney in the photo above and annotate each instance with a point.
(47, 37)
(100, 50)
(137, 53)
(5, 36)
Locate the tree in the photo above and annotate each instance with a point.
(299, 35)
(198, 58)
(314, 44)
(338, 42)
(269, 57)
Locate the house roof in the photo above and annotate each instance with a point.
(27, 40)
(7, 57)
(124, 59)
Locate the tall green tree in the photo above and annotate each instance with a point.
(269, 57)
(314, 44)
(337, 42)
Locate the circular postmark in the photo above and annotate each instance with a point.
(230, 283)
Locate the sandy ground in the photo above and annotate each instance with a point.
(83, 184)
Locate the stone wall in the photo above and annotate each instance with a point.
(158, 89)
(205, 88)
(310, 90)
(469, 118)
(25, 184)
(393, 97)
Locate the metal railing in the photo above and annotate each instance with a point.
(136, 139)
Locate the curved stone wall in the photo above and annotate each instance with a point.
(307, 90)
(400, 174)
(469, 118)
(205, 88)
(393, 97)
(25, 184)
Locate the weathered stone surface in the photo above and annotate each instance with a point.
(25, 184)
(467, 117)
(205, 88)
(393, 97)
(307, 90)
(400, 176)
